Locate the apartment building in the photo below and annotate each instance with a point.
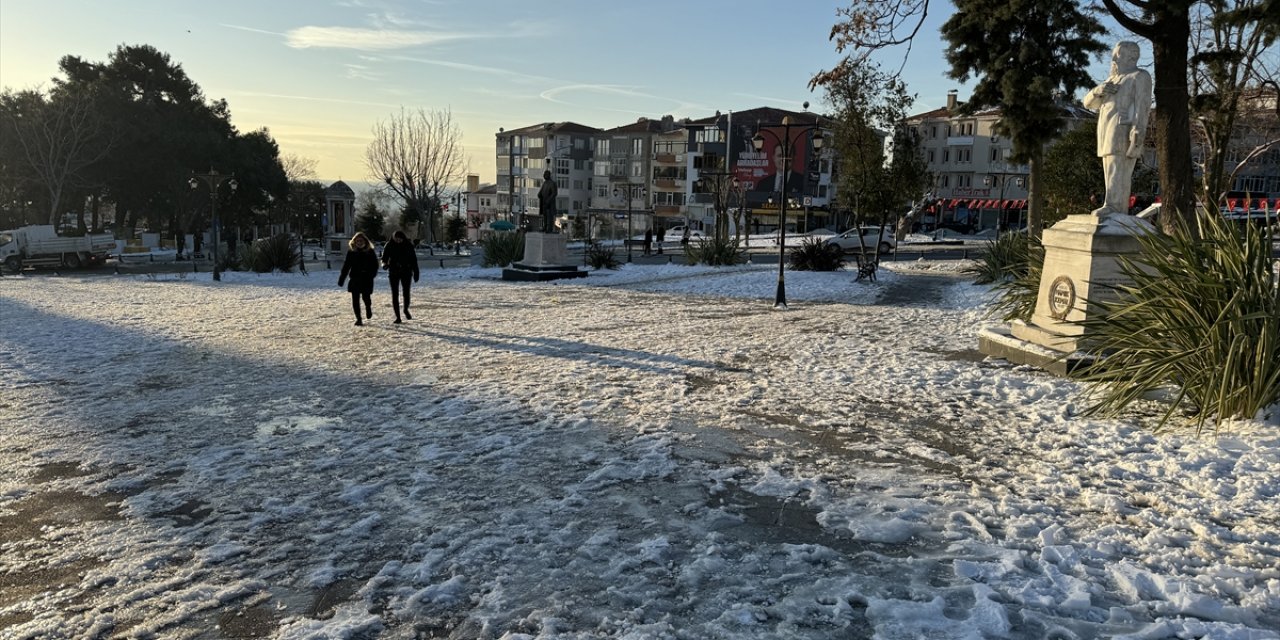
(646, 174)
(975, 183)
(637, 181)
(564, 148)
(720, 148)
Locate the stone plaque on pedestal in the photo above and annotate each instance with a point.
(545, 258)
(1081, 263)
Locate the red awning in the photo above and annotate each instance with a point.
(1231, 203)
(974, 204)
(954, 202)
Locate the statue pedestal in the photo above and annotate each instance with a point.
(1081, 262)
(545, 258)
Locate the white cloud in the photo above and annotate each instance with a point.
(366, 39)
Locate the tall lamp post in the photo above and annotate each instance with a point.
(790, 135)
(629, 189)
(213, 179)
(1004, 182)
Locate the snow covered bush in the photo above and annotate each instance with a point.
(715, 252)
(1201, 316)
(276, 253)
(601, 257)
(503, 249)
(816, 255)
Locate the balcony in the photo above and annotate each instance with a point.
(666, 209)
(668, 183)
(668, 158)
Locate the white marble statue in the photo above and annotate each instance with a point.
(1123, 103)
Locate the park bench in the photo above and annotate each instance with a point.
(866, 268)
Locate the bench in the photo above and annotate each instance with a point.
(867, 269)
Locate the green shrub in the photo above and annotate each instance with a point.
(1004, 258)
(599, 256)
(1019, 288)
(715, 252)
(503, 248)
(276, 253)
(1201, 316)
(816, 255)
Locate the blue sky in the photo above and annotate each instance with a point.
(320, 74)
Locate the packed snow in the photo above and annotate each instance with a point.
(652, 452)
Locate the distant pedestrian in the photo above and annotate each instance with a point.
(401, 263)
(684, 239)
(648, 241)
(361, 265)
(662, 234)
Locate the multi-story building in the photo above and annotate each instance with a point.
(637, 181)
(720, 148)
(564, 148)
(975, 183)
(646, 174)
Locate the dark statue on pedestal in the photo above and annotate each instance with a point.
(547, 202)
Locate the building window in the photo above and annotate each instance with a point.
(535, 143)
(964, 156)
(946, 180)
(577, 184)
(932, 157)
(579, 143)
(637, 169)
(708, 135)
(933, 131)
(995, 154)
(602, 147)
(946, 155)
(637, 146)
(579, 165)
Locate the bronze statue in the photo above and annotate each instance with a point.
(547, 202)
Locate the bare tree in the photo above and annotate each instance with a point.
(298, 168)
(57, 139)
(418, 156)
(1233, 58)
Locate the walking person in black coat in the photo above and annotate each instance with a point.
(401, 263)
(361, 266)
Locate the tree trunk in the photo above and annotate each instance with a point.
(1173, 124)
(1035, 203)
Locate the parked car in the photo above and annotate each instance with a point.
(675, 234)
(869, 237)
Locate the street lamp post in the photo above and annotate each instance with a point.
(1004, 182)
(629, 190)
(785, 143)
(213, 179)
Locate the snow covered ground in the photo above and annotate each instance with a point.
(648, 453)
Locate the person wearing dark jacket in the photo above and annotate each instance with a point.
(361, 266)
(401, 263)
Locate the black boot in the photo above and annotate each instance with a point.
(407, 315)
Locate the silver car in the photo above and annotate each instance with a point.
(852, 239)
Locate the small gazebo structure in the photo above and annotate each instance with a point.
(339, 217)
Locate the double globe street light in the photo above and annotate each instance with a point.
(214, 179)
(790, 135)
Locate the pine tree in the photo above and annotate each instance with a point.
(1025, 55)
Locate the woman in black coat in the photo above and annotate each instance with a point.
(361, 265)
(401, 263)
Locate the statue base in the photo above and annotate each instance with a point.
(545, 258)
(1081, 263)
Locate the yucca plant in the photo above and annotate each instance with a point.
(1201, 316)
(715, 252)
(276, 253)
(1005, 257)
(1019, 286)
(816, 255)
(502, 249)
(599, 256)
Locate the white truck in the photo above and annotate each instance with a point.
(40, 246)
